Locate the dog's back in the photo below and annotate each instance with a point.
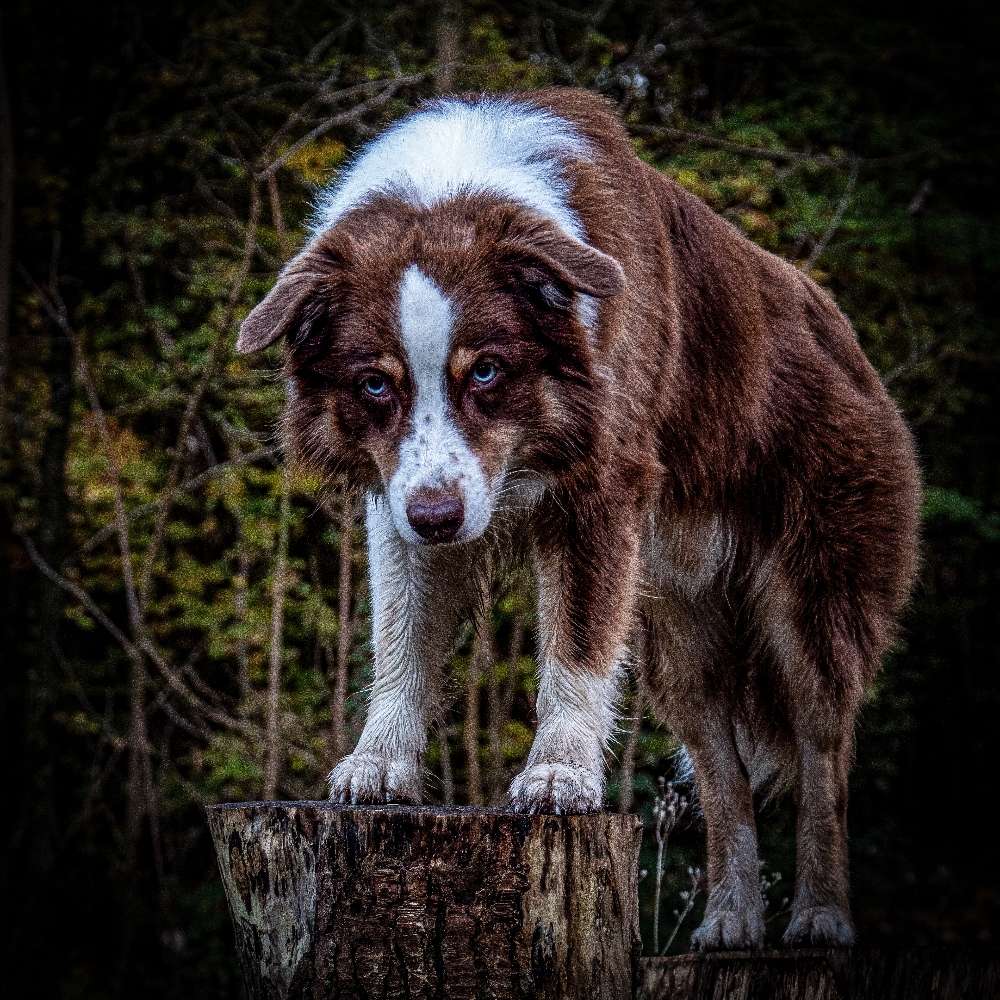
(783, 545)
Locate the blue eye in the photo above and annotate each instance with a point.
(484, 372)
(376, 386)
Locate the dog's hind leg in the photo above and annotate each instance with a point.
(823, 664)
(692, 689)
(820, 908)
(734, 913)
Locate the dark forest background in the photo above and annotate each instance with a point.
(183, 620)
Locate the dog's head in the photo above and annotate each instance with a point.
(431, 352)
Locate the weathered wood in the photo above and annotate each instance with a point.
(330, 901)
(835, 974)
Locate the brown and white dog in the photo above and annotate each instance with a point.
(520, 339)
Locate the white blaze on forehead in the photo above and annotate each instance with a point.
(434, 454)
(426, 320)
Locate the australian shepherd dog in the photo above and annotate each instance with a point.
(524, 342)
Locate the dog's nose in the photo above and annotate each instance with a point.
(436, 516)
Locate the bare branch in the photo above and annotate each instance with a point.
(134, 650)
(55, 308)
(741, 149)
(76, 591)
(778, 155)
(517, 637)
(481, 658)
(316, 52)
(838, 217)
(102, 534)
(345, 118)
(177, 685)
(194, 402)
(919, 199)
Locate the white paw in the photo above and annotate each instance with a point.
(369, 778)
(820, 925)
(729, 930)
(556, 788)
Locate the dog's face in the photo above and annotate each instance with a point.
(432, 353)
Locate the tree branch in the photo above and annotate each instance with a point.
(190, 411)
(344, 118)
(838, 216)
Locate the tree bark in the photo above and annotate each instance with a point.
(818, 974)
(389, 901)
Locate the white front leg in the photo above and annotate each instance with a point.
(418, 597)
(565, 769)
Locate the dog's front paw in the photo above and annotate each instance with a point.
(369, 778)
(729, 930)
(827, 926)
(556, 788)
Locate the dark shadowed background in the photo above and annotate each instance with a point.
(182, 622)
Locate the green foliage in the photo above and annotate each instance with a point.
(941, 503)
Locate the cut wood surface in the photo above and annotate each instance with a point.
(389, 901)
(834, 974)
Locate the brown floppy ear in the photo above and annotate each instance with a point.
(547, 257)
(282, 308)
(276, 314)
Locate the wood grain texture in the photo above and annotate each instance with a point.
(378, 902)
(834, 974)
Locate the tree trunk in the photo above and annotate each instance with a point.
(389, 901)
(495, 719)
(242, 586)
(6, 235)
(626, 779)
(470, 724)
(345, 625)
(448, 43)
(273, 749)
(817, 974)
(43, 667)
(517, 636)
(447, 775)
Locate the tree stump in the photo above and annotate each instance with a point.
(824, 974)
(390, 901)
